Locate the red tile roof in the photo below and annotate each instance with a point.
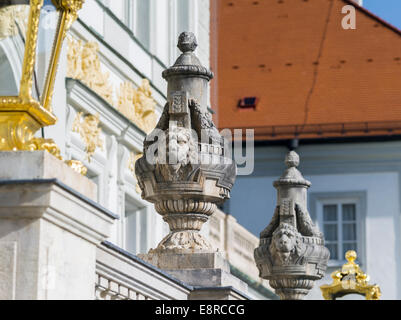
(312, 78)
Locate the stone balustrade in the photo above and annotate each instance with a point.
(226, 234)
(123, 276)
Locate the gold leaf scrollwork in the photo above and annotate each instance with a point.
(77, 166)
(72, 7)
(83, 63)
(47, 144)
(131, 166)
(350, 279)
(89, 131)
(50, 146)
(138, 105)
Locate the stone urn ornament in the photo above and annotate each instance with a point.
(184, 170)
(291, 254)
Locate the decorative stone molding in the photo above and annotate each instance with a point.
(291, 254)
(89, 131)
(83, 63)
(138, 105)
(195, 175)
(13, 19)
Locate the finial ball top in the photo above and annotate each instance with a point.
(292, 159)
(350, 255)
(187, 42)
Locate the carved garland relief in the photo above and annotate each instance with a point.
(137, 104)
(83, 63)
(89, 131)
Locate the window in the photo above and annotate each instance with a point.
(142, 22)
(341, 217)
(135, 227)
(340, 229)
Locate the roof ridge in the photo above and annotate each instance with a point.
(372, 15)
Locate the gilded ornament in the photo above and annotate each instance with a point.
(83, 63)
(138, 105)
(71, 7)
(90, 132)
(21, 116)
(125, 100)
(49, 145)
(74, 68)
(131, 166)
(77, 166)
(350, 279)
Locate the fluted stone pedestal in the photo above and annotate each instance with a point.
(48, 230)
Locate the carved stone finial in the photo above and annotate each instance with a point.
(189, 174)
(292, 159)
(291, 176)
(291, 254)
(187, 42)
(188, 74)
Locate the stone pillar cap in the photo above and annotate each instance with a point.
(187, 63)
(292, 176)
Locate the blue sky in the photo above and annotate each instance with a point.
(389, 10)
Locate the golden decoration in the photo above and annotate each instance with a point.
(21, 116)
(72, 7)
(49, 145)
(77, 166)
(138, 105)
(89, 131)
(74, 61)
(83, 63)
(131, 166)
(350, 280)
(69, 13)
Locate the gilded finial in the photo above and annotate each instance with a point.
(292, 159)
(187, 42)
(351, 256)
(350, 279)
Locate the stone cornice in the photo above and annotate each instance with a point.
(55, 202)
